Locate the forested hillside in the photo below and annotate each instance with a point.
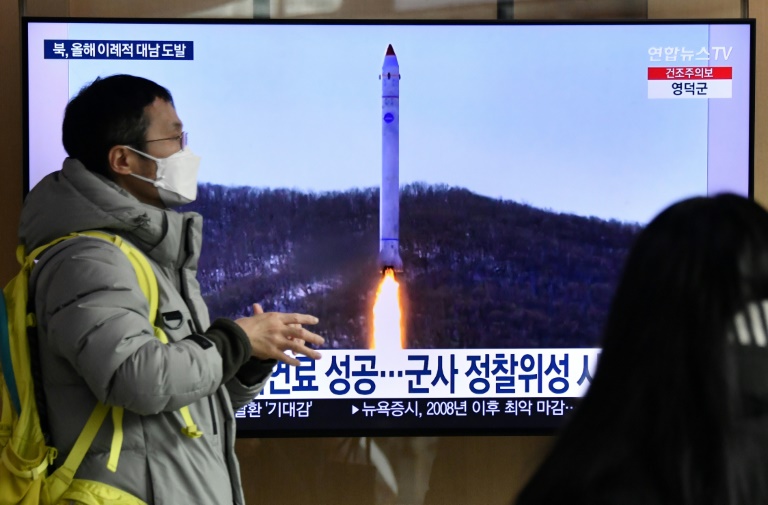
(478, 272)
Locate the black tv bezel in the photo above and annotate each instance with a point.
(384, 432)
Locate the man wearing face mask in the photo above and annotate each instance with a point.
(128, 165)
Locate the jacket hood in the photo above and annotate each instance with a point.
(75, 199)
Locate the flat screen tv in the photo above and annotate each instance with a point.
(453, 200)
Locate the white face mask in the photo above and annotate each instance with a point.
(176, 180)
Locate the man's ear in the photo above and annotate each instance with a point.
(120, 160)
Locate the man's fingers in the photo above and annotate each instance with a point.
(297, 339)
(298, 348)
(298, 319)
(293, 325)
(304, 335)
(287, 359)
(281, 335)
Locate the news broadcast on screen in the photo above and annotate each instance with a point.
(453, 200)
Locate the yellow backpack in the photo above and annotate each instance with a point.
(25, 456)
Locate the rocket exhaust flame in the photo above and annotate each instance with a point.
(387, 315)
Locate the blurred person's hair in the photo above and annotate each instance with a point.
(677, 410)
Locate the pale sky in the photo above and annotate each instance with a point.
(554, 116)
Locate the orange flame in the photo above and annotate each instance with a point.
(387, 314)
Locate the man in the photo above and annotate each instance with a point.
(128, 163)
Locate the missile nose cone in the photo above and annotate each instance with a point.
(390, 62)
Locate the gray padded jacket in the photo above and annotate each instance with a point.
(96, 342)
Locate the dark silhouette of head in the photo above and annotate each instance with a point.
(678, 408)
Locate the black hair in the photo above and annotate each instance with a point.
(667, 418)
(108, 112)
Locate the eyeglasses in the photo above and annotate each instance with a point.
(182, 139)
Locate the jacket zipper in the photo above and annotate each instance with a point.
(193, 314)
(210, 398)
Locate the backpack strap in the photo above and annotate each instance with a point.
(148, 285)
(25, 454)
(144, 273)
(63, 476)
(6, 418)
(5, 359)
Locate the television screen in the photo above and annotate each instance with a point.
(453, 200)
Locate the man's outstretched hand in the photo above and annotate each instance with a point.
(273, 333)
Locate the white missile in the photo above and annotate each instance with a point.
(389, 197)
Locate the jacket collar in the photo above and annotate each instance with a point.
(76, 199)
